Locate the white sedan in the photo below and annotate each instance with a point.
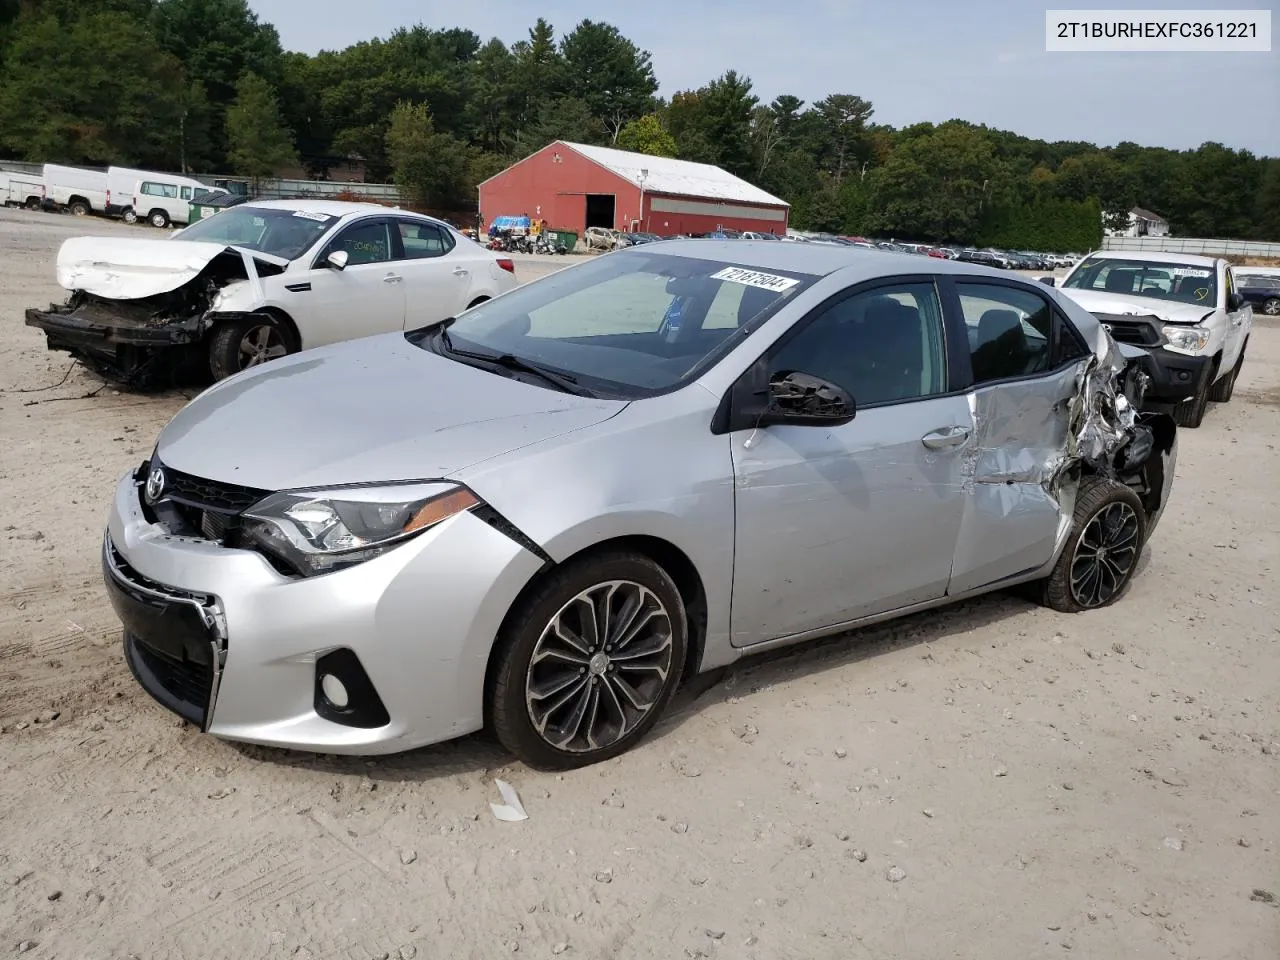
(259, 281)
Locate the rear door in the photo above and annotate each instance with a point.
(437, 281)
(366, 298)
(1023, 357)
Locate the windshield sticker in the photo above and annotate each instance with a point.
(1190, 272)
(753, 278)
(307, 214)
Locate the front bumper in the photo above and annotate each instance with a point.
(1174, 376)
(420, 619)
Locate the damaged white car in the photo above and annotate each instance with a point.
(542, 514)
(257, 282)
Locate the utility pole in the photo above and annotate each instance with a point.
(644, 175)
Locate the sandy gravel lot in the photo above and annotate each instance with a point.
(991, 781)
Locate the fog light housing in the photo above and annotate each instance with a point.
(344, 693)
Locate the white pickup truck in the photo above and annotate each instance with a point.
(1184, 310)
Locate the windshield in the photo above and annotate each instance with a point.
(282, 233)
(631, 324)
(1146, 278)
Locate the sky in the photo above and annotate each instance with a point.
(915, 60)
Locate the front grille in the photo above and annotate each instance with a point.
(187, 681)
(1138, 331)
(208, 508)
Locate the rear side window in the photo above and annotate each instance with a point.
(1010, 331)
(422, 241)
(169, 190)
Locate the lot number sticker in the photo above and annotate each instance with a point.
(753, 278)
(308, 215)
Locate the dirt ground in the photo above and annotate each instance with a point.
(994, 780)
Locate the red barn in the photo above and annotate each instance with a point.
(573, 186)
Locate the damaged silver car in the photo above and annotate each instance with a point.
(541, 515)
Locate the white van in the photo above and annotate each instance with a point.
(120, 185)
(162, 199)
(75, 189)
(22, 190)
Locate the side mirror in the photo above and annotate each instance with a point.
(337, 260)
(804, 400)
(1047, 281)
(1234, 301)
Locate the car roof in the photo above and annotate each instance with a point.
(332, 208)
(817, 259)
(1154, 256)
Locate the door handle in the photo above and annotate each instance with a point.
(945, 437)
(392, 278)
(460, 271)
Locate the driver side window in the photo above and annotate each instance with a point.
(882, 345)
(368, 242)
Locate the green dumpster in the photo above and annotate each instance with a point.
(566, 239)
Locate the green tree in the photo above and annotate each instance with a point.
(96, 91)
(217, 41)
(935, 186)
(433, 168)
(493, 96)
(647, 135)
(564, 119)
(845, 117)
(538, 73)
(713, 124)
(609, 73)
(259, 143)
(1267, 215)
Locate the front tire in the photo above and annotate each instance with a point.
(248, 342)
(1108, 532)
(1224, 387)
(588, 661)
(1271, 306)
(1190, 413)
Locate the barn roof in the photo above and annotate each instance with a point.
(678, 177)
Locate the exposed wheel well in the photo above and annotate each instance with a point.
(275, 313)
(476, 301)
(666, 555)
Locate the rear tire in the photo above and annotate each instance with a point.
(1271, 306)
(1108, 531)
(158, 219)
(588, 661)
(33, 204)
(78, 208)
(129, 215)
(248, 342)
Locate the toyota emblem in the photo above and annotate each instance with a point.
(155, 485)
(1106, 327)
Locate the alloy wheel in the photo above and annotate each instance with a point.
(1272, 307)
(1104, 554)
(599, 666)
(260, 344)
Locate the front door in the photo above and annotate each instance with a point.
(835, 524)
(367, 297)
(1238, 323)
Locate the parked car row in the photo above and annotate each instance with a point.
(160, 199)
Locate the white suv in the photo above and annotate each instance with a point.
(259, 281)
(1184, 310)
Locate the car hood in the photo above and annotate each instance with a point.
(1118, 304)
(373, 410)
(132, 268)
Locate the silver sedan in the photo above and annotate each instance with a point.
(541, 515)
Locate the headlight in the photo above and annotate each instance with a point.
(319, 531)
(1190, 340)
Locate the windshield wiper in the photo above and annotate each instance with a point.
(509, 361)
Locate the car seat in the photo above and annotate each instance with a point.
(1002, 350)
